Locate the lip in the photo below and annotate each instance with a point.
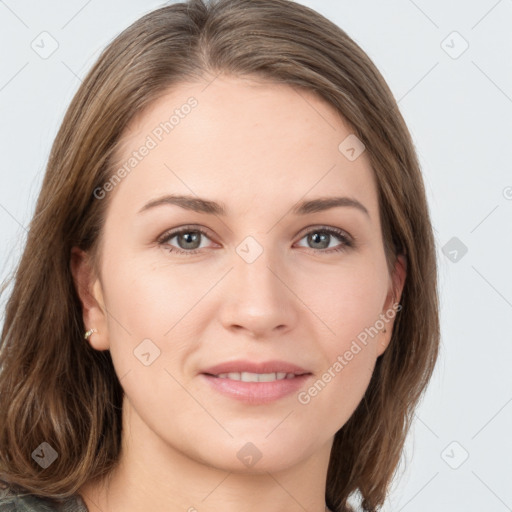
(256, 393)
(240, 365)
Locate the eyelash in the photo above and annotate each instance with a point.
(347, 242)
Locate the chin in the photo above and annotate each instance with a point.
(257, 453)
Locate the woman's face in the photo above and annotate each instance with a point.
(274, 277)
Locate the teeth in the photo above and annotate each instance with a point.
(256, 377)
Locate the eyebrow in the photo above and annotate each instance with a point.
(201, 205)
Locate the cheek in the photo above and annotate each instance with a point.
(349, 304)
(341, 384)
(151, 300)
(347, 299)
(154, 309)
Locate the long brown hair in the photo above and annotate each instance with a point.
(55, 388)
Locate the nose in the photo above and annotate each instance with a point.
(257, 297)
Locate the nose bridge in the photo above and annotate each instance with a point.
(258, 298)
(256, 268)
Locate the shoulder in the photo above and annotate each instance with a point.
(11, 501)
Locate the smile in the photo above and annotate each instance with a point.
(256, 377)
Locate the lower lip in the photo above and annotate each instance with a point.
(256, 392)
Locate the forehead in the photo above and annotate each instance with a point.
(243, 142)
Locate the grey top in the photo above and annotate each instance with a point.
(24, 502)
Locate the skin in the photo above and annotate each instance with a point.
(259, 148)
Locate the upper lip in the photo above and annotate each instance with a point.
(240, 366)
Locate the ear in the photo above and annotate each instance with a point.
(89, 290)
(390, 310)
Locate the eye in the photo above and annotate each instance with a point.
(188, 239)
(322, 236)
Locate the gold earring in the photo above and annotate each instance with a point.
(88, 333)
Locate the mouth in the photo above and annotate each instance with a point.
(250, 368)
(256, 383)
(256, 377)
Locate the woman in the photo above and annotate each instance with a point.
(234, 218)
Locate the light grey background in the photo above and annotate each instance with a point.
(459, 111)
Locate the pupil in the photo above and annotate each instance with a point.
(190, 238)
(322, 238)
